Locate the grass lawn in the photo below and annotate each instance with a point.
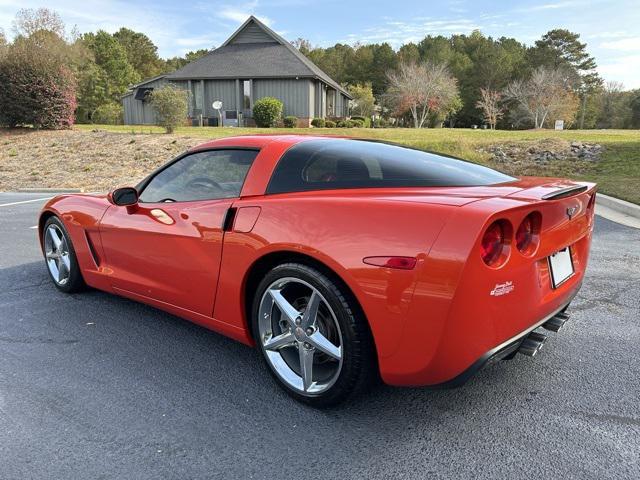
(98, 157)
(617, 173)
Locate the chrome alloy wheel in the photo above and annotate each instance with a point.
(300, 336)
(56, 252)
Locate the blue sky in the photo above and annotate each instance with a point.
(610, 28)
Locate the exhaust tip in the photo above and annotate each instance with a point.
(556, 323)
(531, 345)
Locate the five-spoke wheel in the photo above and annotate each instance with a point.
(60, 256)
(56, 251)
(300, 335)
(311, 339)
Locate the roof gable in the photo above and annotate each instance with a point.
(250, 32)
(254, 51)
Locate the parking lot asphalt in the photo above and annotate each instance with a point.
(96, 386)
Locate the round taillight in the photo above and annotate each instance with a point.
(528, 234)
(524, 234)
(492, 243)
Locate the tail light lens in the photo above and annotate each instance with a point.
(527, 235)
(493, 242)
(592, 201)
(524, 234)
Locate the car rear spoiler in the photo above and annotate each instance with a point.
(565, 192)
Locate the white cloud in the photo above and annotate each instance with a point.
(553, 6)
(631, 44)
(239, 13)
(397, 32)
(625, 69)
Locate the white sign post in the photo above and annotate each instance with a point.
(217, 105)
(559, 124)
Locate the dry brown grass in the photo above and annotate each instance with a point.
(93, 160)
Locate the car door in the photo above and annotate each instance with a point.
(168, 247)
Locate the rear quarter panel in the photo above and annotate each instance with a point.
(338, 232)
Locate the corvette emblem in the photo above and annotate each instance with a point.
(571, 211)
(502, 289)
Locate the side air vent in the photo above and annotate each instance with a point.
(92, 249)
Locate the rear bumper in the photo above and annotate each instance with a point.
(505, 349)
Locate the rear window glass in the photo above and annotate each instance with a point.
(338, 163)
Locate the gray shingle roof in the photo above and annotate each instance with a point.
(254, 60)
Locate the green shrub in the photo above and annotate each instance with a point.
(357, 123)
(330, 124)
(109, 114)
(381, 123)
(345, 124)
(366, 121)
(267, 111)
(35, 90)
(171, 106)
(290, 121)
(318, 122)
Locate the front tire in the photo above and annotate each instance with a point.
(311, 335)
(60, 257)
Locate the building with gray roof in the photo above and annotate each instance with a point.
(255, 62)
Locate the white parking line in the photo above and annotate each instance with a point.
(24, 201)
(35, 226)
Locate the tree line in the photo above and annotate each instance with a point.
(457, 80)
(482, 81)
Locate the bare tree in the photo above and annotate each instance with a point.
(3, 43)
(422, 89)
(302, 44)
(29, 21)
(545, 94)
(489, 103)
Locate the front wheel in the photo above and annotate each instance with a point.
(312, 337)
(60, 257)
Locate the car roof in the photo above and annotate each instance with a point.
(259, 141)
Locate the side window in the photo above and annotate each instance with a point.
(336, 164)
(201, 176)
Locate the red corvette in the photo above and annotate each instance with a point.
(340, 259)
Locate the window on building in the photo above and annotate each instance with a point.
(197, 95)
(246, 88)
(331, 103)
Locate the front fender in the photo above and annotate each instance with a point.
(81, 215)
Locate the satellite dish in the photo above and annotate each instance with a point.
(217, 105)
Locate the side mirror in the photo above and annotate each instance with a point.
(124, 197)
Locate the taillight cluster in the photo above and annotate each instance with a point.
(492, 243)
(496, 242)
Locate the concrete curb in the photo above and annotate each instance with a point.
(619, 211)
(620, 206)
(51, 190)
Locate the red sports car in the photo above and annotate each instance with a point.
(340, 259)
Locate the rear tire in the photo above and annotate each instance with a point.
(311, 335)
(60, 257)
